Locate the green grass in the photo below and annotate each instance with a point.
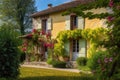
(84, 68)
(47, 74)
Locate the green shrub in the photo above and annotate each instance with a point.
(22, 57)
(9, 53)
(49, 60)
(59, 64)
(93, 61)
(81, 61)
(2, 78)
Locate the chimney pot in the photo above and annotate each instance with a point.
(49, 5)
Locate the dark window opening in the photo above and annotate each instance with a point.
(74, 22)
(44, 25)
(75, 45)
(46, 49)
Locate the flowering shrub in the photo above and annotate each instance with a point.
(38, 38)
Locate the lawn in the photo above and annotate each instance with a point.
(47, 74)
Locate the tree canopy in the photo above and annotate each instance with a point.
(17, 12)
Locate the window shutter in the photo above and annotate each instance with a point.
(82, 48)
(49, 23)
(67, 22)
(39, 26)
(80, 23)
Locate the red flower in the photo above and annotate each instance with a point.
(34, 30)
(111, 3)
(25, 44)
(48, 35)
(52, 45)
(40, 39)
(24, 49)
(109, 18)
(45, 44)
(29, 35)
(43, 32)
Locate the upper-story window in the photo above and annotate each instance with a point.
(44, 25)
(73, 22)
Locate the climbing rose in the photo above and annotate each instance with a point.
(109, 18)
(24, 49)
(48, 34)
(111, 3)
(34, 30)
(29, 35)
(43, 32)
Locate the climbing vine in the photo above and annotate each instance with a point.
(112, 44)
(93, 36)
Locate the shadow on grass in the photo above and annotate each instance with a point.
(59, 78)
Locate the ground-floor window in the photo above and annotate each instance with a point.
(75, 45)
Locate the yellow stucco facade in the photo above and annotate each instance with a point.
(58, 23)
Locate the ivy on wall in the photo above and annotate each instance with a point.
(93, 36)
(112, 44)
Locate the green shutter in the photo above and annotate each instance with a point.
(82, 48)
(81, 23)
(67, 46)
(49, 24)
(39, 21)
(67, 22)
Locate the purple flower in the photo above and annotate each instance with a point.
(106, 60)
(111, 3)
(110, 59)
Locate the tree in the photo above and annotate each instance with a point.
(18, 13)
(9, 52)
(109, 65)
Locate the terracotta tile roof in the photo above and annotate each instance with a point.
(61, 7)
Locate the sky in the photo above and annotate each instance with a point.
(42, 4)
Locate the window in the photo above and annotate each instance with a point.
(75, 45)
(74, 22)
(44, 25)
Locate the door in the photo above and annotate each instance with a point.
(75, 49)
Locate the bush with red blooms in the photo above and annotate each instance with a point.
(40, 38)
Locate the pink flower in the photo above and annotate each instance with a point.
(111, 3)
(109, 18)
(106, 60)
(110, 59)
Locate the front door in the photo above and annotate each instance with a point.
(75, 49)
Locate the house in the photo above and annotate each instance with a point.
(52, 20)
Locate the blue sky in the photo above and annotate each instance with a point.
(42, 4)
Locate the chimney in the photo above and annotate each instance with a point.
(49, 5)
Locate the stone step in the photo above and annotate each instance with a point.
(36, 63)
